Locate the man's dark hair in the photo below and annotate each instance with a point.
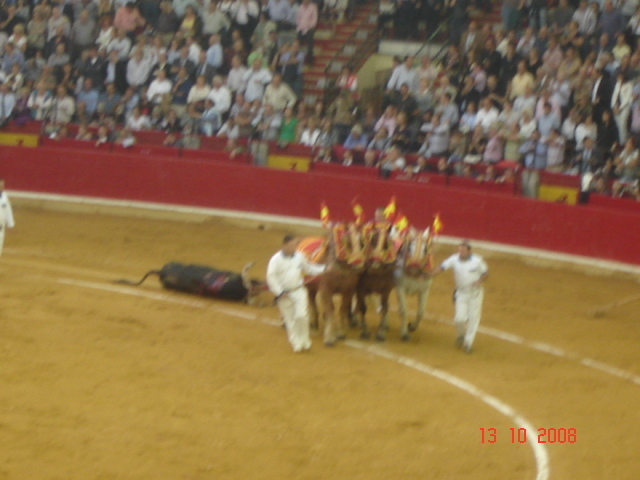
(287, 238)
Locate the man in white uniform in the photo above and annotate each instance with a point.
(469, 271)
(6, 214)
(285, 277)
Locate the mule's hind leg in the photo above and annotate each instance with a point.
(381, 334)
(361, 308)
(423, 294)
(402, 311)
(329, 318)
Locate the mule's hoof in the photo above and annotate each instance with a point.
(380, 337)
(412, 327)
(405, 337)
(342, 336)
(329, 343)
(353, 323)
(364, 335)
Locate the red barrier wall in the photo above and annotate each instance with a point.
(581, 230)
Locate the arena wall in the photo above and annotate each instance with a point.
(603, 233)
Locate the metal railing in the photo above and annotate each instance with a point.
(357, 47)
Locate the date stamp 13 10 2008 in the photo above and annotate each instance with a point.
(519, 435)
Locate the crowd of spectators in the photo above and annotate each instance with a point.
(555, 87)
(187, 67)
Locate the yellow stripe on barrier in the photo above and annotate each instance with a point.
(557, 194)
(287, 162)
(19, 139)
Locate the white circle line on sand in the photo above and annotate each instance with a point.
(288, 220)
(539, 451)
(506, 336)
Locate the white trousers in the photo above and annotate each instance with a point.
(468, 311)
(2, 229)
(294, 308)
(622, 120)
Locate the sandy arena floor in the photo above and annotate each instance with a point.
(101, 381)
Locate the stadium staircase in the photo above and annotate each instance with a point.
(337, 45)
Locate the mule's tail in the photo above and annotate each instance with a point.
(129, 282)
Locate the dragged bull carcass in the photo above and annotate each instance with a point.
(343, 251)
(207, 282)
(413, 277)
(378, 276)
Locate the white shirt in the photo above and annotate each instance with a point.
(486, 118)
(6, 214)
(309, 138)
(401, 75)
(255, 82)
(465, 272)
(157, 89)
(221, 98)
(287, 273)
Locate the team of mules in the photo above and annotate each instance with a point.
(363, 261)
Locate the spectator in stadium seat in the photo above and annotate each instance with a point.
(611, 20)
(37, 31)
(138, 68)
(487, 115)
(392, 160)
(291, 63)
(220, 95)
(83, 32)
(534, 152)
(214, 21)
(183, 61)
(387, 120)
(255, 80)
(310, 133)
(512, 142)
(167, 23)
(88, 95)
(607, 136)
(437, 140)
(159, 87)
(63, 107)
(306, 22)
(287, 133)
(7, 103)
(215, 54)
(56, 21)
(494, 150)
(109, 100)
(11, 57)
(15, 79)
(448, 110)
(627, 163)
(547, 121)
(120, 44)
(555, 152)
(279, 94)
(128, 18)
(125, 138)
(191, 25)
(356, 140)
(40, 101)
(137, 120)
(380, 141)
(267, 123)
(198, 93)
(180, 91)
